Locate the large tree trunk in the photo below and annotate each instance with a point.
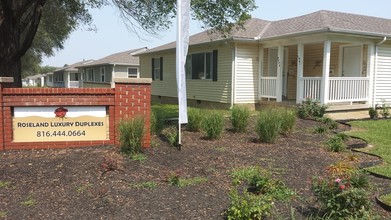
(19, 22)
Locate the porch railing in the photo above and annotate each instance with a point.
(311, 87)
(348, 89)
(268, 87)
(73, 84)
(341, 89)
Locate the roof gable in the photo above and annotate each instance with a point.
(124, 58)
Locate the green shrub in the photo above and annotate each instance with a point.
(172, 135)
(311, 108)
(385, 109)
(131, 133)
(320, 130)
(157, 122)
(373, 114)
(335, 144)
(341, 197)
(239, 118)
(268, 126)
(331, 124)
(244, 206)
(288, 119)
(213, 124)
(195, 117)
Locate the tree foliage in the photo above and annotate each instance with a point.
(44, 25)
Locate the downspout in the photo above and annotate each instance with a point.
(233, 76)
(375, 72)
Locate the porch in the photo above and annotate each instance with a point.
(337, 74)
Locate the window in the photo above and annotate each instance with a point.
(90, 75)
(132, 72)
(59, 77)
(50, 78)
(202, 66)
(157, 68)
(102, 74)
(273, 61)
(74, 76)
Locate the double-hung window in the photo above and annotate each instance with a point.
(132, 72)
(202, 66)
(157, 68)
(102, 74)
(90, 74)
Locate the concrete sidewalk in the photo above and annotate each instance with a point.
(348, 115)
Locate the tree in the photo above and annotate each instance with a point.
(20, 21)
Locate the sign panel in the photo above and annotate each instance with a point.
(39, 124)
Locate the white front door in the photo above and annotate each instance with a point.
(351, 61)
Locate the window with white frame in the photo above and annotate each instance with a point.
(102, 74)
(90, 74)
(199, 66)
(132, 72)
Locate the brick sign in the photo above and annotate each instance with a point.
(42, 124)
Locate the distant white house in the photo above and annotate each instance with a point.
(100, 73)
(68, 76)
(34, 81)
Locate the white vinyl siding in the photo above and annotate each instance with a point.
(246, 76)
(383, 75)
(207, 90)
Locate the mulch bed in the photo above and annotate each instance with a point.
(76, 183)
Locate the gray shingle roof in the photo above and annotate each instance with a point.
(72, 67)
(257, 29)
(125, 58)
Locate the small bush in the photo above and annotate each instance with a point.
(385, 109)
(373, 114)
(239, 118)
(195, 117)
(311, 108)
(320, 130)
(341, 197)
(331, 124)
(157, 122)
(213, 124)
(288, 119)
(172, 135)
(246, 206)
(131, 133)
(268, 126)
(336, 144)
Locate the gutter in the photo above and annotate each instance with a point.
(375, 72)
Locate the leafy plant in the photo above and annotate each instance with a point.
(138, 157)
(195, 117)
(335, 144)
(288, 119)
(373, 114)
(268, 126)
(112, 161)
(341, 197)
(173, 178)
(311, 108)
(331, 124)
(385, 109)
(239, 118)
(29, 201)
(131, 133)
(213, 124)
(144, 185)
(320, 130)
(172, 135)
(246, 206)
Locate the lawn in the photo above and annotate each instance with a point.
(200, 181)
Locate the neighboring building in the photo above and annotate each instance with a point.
(330, 56)
(48, 79)
(34, 81)
(100, 73)
(68, 76)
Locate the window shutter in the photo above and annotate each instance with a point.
(153, 69)
(161, 68)
(214, 60)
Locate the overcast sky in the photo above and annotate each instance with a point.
(112, 36)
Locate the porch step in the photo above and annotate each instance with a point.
(347, 107)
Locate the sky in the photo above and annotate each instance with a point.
(112, 36)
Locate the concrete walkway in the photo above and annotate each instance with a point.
(348, 115)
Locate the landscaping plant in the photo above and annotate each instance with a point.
(268, 126)
(342, 196)
(288, 119)
(239, 118)
(336, 144)
(157, 122)
(194, 119)
(311, 108)
(172, 135)
(373, 114)
(385, 109)
(131, 133)
(213, 124)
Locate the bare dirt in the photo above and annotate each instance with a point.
(80, 183)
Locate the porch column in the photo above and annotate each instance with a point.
(324, 91)
(260, 71)
(371, 73)
(280, 68)
(300, 70)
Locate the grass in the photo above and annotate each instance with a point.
(4, 184)
(30, 201)
(3, 214)
(139, 157)
(386, 199)
(377, 133)
(144, 185)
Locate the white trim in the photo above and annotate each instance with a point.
(260, 70)
(324, 92)
(371, 72)
(280, 63)
(300, 70)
